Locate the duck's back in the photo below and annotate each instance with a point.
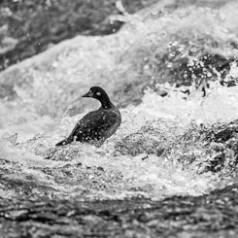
(96, 126)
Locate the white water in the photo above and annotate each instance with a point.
(32, 124)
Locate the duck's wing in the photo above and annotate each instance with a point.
(96, 125)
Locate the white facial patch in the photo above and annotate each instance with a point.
(98, 94)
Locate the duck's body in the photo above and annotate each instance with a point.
(96, 126)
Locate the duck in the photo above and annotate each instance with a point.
(96, 126)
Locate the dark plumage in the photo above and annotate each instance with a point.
(96, 126)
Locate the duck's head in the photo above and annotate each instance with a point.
(95, 92)
(99, 94)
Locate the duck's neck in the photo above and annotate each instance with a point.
(106, 103)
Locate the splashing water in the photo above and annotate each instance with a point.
(140, 159)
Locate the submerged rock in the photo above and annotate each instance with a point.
(149, 139)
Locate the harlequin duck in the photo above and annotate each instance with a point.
(96, 126)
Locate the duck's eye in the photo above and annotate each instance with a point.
(98, 94)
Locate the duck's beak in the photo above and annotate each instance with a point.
(88, 95)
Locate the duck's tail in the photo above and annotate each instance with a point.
(63, 142)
